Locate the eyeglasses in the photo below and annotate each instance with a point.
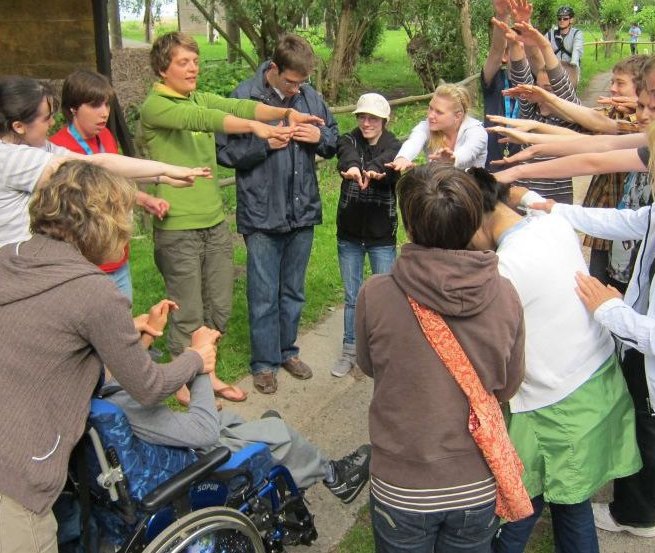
(366, 117)
(294, 84)
(563, 18)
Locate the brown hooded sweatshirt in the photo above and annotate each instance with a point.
(61, 319)
(418, 415)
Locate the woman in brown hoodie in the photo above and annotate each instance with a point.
(431, 488)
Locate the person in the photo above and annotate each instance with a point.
(50, 287)
(278, 205)
(494, 78)
(366, 214)
(566, 40)
(203, 428)
(448, 134)
(85, 103)
(630, 320)
(28, 159)
(193, 243)
(635, 32)
(572, 409)
(433, 490)
(550, 76)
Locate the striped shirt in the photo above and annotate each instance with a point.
(437, 499)
(560, 190)
(20, 169)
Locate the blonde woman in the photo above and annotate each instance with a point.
(448, 134)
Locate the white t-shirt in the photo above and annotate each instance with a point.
(564, 346)
(20, 169)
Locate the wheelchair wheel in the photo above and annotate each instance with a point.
(210, 530)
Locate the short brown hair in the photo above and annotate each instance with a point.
(86, 206)
(441, 206)
(161, 52)
(632, 65)
(293, 52)
(84, 87)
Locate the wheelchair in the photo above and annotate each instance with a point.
(159, 499)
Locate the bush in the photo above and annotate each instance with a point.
(372, 38)
(221, 77)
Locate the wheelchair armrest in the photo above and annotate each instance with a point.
(182, 481)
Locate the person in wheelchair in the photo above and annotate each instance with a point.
(61, 321)
(203, 428)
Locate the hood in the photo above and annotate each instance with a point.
(38, 265)
(457, 283)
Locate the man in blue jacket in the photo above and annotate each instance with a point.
(278, 204)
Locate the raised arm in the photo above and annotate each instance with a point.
(498, 42)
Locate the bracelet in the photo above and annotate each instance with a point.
(287, 113)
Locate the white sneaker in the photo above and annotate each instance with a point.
(603, 520)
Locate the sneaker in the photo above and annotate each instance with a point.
(297, 368)
(265, 382)
(346, 362)
(603, 519)
(350, 474)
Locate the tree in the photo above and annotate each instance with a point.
(151, 12)
(355, 18)
(115, 33)
(646, 20)
(613, 13)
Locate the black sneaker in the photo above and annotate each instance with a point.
(350, 474)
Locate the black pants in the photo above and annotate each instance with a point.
(634, 496)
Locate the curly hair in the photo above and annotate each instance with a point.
(86, 206)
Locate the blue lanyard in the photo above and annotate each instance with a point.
(83, 143)
(511, 111)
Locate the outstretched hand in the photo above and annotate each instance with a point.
(546, 206)
(296, 118)
(400, 164)
(594, 293)
(182, 177)
(530, 36)
(355, 174)
(521, 10)
(526, 125)
(266, 132)
(528, 92)
(511, 136)
(444, 155)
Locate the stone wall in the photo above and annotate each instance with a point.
(46, 40)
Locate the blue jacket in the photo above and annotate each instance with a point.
(277, 190)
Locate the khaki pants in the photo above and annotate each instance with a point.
(198, 271)
(22, 531)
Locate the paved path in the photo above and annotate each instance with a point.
(332, 413)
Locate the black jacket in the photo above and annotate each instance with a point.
(277, 190)
(368, 216)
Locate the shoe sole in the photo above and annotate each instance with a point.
(299, 376)
(634, 530)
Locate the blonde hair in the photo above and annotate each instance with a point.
(461, 98)
(86, 206)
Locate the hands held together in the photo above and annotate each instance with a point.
(362, 178)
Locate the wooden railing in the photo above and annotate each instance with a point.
(606, 43)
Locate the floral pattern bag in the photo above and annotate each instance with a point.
(486, 422)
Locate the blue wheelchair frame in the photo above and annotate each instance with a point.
(139, 490)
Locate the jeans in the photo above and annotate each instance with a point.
(573, 529)
(199, 275)
(122, 279)
(634, 496)
(276, 269)
(351, 265)
(463, 530)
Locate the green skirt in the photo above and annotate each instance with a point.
(572, 448)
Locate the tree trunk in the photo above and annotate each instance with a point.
(350, 32)
(148, 23)
(330, 23)
(115, 33)
(468, 40)
(234, 33)
(210, 30)
(609, 34)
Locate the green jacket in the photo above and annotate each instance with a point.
(180, 130)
